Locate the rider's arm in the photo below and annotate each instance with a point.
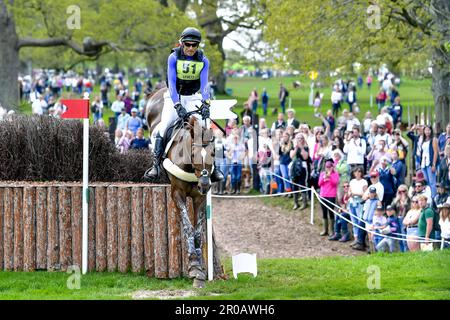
(172, 77)
(204, 75)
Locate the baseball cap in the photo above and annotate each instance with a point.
(420, 176)
(373, 190)
(134, 110)
(374, 173)
(380, 207)
(385, 159)
(389, 207)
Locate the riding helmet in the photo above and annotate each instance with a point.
(191, 34)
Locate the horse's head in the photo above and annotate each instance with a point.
(202, 154)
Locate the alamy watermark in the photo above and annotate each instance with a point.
(74, 281)
(74, 20)
(373, 21)
(374, 279)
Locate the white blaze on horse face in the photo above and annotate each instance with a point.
(203, 155)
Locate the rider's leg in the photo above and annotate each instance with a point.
(168, 115)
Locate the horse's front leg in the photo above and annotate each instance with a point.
(200, 210)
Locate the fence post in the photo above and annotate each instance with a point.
(312, 205)
(409, 116)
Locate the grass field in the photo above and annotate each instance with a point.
(402, 276)
(412, 92)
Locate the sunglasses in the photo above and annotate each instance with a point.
(190, 44)
(415, 201)
(401, 191)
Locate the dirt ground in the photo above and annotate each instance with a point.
(250, 226)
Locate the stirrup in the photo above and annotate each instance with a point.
(152, 177)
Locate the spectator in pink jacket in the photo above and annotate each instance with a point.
(328, 183)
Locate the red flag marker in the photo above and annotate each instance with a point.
(75, 109)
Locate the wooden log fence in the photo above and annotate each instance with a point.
(132, 228)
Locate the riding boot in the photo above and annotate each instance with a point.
(332, 228)
(219, 188)
(304, 201)
(158, 149)
(325, 228)
(238, 188)
(216, 175)
(295, 201)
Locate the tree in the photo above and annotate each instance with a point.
(326, 34)
(108, 26)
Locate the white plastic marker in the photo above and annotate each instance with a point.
(221, 109)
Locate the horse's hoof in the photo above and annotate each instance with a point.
(198, 283)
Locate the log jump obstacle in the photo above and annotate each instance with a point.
(132, 227)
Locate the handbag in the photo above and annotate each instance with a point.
(426, 246)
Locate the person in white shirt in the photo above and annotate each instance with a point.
(419, 187)
(367, 122)
(291, 121)
(122, 120)
(444, 222)
(118, 105)
(355, 149)
(352, 121)
(39, 106)
(357, 188)
(336, 98)
(387, 84)
(383, 135)
(375, 182)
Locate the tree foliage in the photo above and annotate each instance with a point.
(135, 31)
(327, 34)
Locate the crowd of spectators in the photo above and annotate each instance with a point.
(358, 165)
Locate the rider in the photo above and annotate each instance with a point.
(187, 74)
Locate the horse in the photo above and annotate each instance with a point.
(189, 163)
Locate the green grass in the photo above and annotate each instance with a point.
(402, 276)
(412, 92)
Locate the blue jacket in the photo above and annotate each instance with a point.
(387, 180)
(394, 224)
(399, 175)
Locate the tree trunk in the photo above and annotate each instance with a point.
(220, 78)
(440, 88)
(9, 61)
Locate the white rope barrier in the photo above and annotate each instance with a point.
(362, 220)
(257, 195)
(367, 230)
